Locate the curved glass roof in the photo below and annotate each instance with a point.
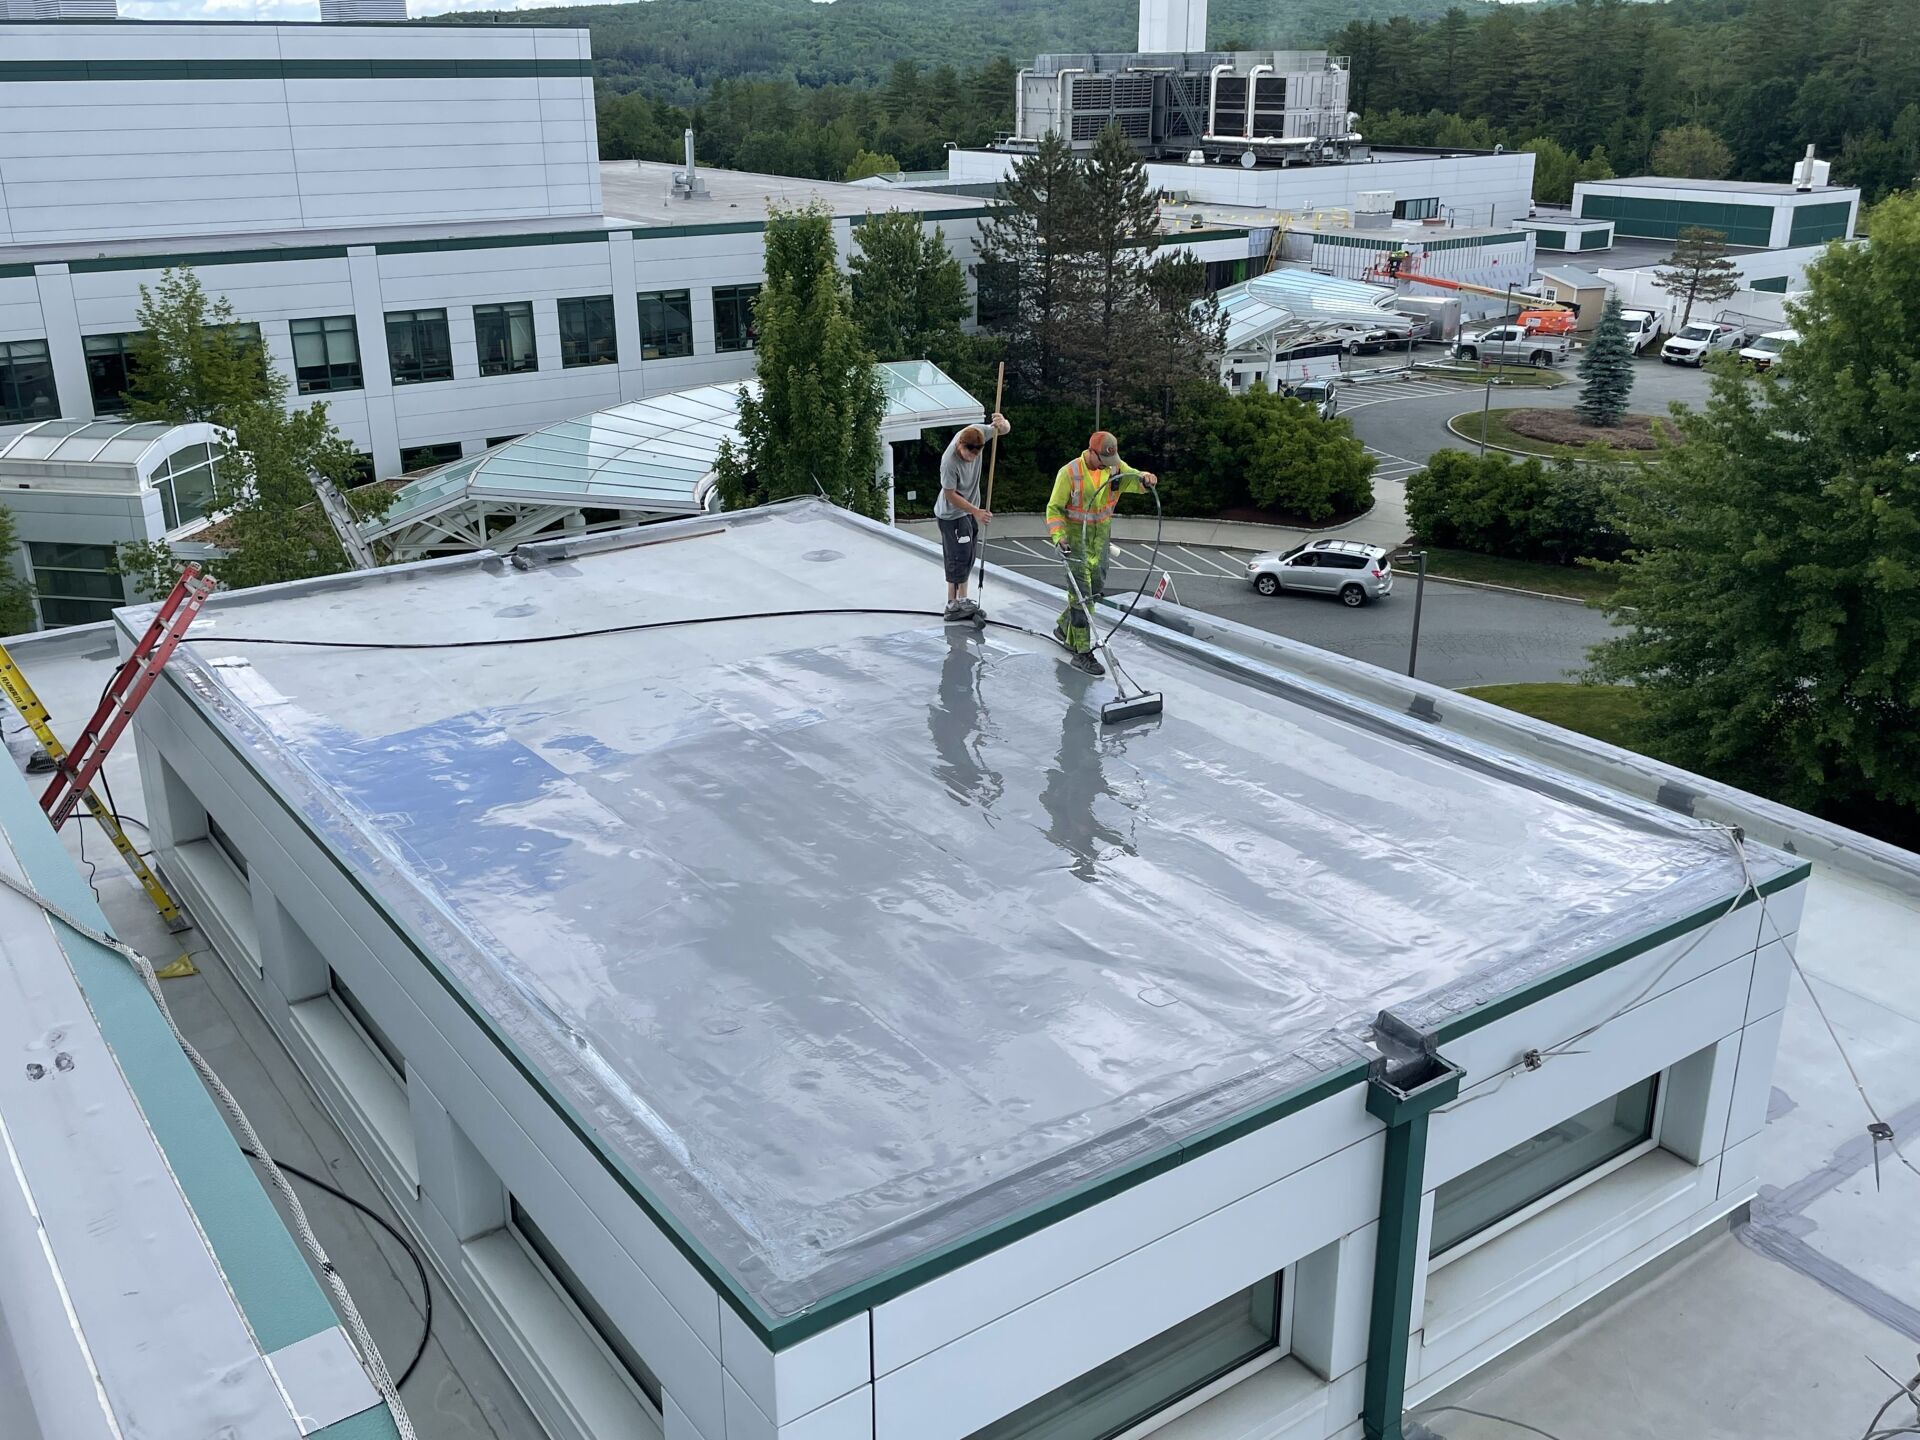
(651, 455)
(1300, 302)
(84, 442)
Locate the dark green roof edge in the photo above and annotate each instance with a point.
(204, 258)
(263, 1268)
(494, 242)
(15, 272)
(780, 1334)
(1570, 975)
(97, 71)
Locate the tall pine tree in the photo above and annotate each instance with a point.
(1030, 266)
(909, 293)
(813, 424)
(1698, 272)
(1118, 227)
(1606, 370)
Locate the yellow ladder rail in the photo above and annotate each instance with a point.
(13, 684)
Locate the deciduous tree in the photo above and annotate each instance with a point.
(909, 293)
(1772, 615)
(16, 595)
(1692, 152)
(813, 425)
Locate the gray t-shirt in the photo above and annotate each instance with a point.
(959, 474)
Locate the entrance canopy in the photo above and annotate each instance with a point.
(1285, 306)
(646, 460)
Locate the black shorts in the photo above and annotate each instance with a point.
(956, 546)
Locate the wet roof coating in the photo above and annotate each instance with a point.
(851, 935)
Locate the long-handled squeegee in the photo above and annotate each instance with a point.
(1122, 707)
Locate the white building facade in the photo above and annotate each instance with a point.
(412, 217)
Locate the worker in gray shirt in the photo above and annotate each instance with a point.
(959, 514)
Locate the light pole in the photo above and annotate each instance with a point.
(1486, 405)
(1419, 594)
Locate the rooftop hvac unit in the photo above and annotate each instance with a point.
(1809, 173)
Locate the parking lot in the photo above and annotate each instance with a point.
(1468, 636)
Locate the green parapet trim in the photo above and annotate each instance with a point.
(43, 71)
(494, 242)
(15, 272)
(1404, 1106)
(202, 258)
(264, 1269)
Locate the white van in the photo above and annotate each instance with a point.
(1767, 348)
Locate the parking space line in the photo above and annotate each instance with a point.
(1215, 562)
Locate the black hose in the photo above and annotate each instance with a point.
(1153, 559)
(419, 1265)
(584, 634)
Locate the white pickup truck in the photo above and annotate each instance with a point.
(1512, 345)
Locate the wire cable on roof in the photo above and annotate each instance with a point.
(419, 1265)
(1487, 1415)
(250, 1141)
(633, 629)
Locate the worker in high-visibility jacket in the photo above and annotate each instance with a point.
(1086, 492)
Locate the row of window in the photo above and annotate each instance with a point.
(326, 349)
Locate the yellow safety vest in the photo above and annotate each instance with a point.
(1090, 500)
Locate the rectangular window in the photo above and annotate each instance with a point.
(109, 370)
(223, 842)
(733, 327)
(504, 336)
(1537, 1167)
(666, 324)
(326, 354)
(74, 584)
(493, 440)
(422, 457)
(592, 1318)
(376, 1038)
(362, 468)
(1426, 209)
(26, 382)
(586, 332)
(1113, 1398)
(418, 347)
(185, 482)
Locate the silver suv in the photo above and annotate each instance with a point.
(1356, 573)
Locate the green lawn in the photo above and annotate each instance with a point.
(1604, 712)
(1574, 581)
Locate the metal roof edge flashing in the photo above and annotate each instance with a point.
(1595, 762)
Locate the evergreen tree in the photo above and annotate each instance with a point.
(813, 425)
(16, 595)
(1606, 370)
(1117, 225)
(1698, 271)
(1030, 265)
(1771, 618)
(193, 363)
(909, 293)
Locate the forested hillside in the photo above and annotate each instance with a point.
(1765, 77)
(676, 50)
(1711, 88)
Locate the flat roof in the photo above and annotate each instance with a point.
(1741, 187)
(847, 936)
(640, 192)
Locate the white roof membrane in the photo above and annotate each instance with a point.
(851, 935)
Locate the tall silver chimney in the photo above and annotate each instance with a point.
(1172, 26)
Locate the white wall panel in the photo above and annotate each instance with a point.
(802, 1378)
(950, 1306)
(1003, 1365)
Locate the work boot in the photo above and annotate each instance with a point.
(40, 763)
(1086, 664)
(956, 611)
(972, 607)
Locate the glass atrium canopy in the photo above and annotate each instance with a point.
(645, 460)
